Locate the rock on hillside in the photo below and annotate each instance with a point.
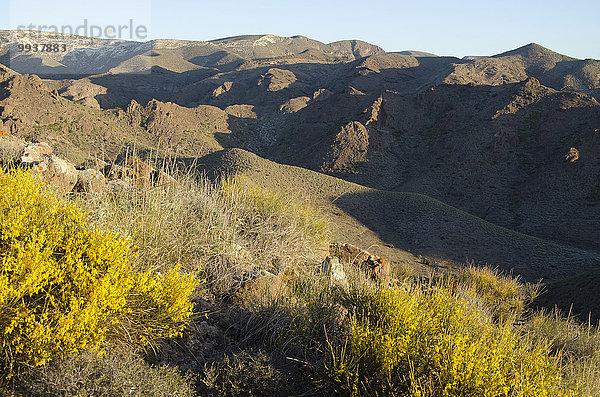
(348, 149)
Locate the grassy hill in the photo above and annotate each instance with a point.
(409, 222)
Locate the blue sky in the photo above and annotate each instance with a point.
(457, 27)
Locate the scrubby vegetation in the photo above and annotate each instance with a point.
(66, 286)
(231, 228)
(112, 273)
(427, 340)
(118, 372)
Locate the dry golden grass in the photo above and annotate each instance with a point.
(579, 344)
(229, 228)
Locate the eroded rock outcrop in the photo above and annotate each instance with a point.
(349, 147)
(277, 79)
(91, 177)
(377, 268)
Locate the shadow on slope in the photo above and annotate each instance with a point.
(578, 295)
(408, 222)
(431, 228)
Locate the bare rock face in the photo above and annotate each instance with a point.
(277, 79)
(60, 173)
(222, 89)
(90, 181)
(295, 104)
(378, 269)
(348, 148)
(241, 111)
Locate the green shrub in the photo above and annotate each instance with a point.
(65, 286)
(429, 341)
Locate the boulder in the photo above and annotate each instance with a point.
(378, 269)
(59, 173)
(141, 171)
(265, 285)
(332, 267)
(33, 153)
(164, 180)
(90, 181)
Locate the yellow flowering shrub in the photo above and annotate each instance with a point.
(65, 286)
(432, 342)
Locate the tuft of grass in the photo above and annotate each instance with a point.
(119, 372)
(579, 345)
(503, 295)
(10, 148)
(245, 373)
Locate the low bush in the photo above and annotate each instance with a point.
(118, 372)
(65, 286)
(429, 341)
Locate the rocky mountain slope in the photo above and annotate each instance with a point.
(505, 145)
